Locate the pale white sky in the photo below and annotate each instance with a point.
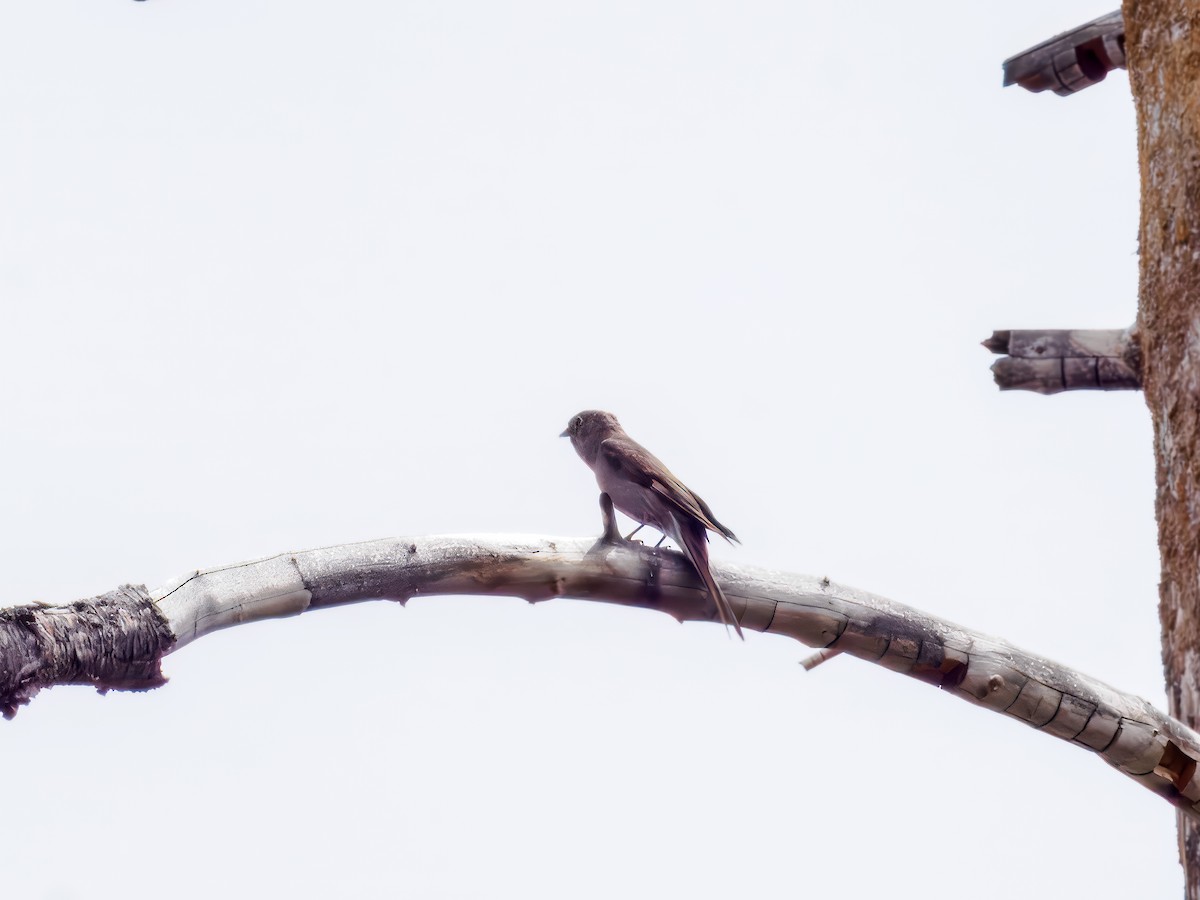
(280, 275)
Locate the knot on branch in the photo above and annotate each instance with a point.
(114, 641)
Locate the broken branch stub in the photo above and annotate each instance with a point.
(1053, 361)
(1071, 61)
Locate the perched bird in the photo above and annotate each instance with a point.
(640, 486)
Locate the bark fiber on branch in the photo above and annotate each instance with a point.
(1124, 730)
(112, 641)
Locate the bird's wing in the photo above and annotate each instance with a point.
(710, 521)
(640, 466)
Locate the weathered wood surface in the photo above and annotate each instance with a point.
(1073, 60)
(1049, 362)
(1124, 730)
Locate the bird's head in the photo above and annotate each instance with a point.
(588, 429)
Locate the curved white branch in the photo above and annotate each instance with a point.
(1124, 730)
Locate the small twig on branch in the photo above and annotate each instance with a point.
(811, 662)
(1073, 60)
(1049, 362)
(42, 646)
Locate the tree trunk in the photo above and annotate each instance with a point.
(1163, 45)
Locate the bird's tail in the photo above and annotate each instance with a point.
(694, 538)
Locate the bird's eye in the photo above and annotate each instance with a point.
(578, 423)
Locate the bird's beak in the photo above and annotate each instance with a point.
(566, 433)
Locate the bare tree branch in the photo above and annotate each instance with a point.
(1124, 730)
(1049, 362)
(1073, 60)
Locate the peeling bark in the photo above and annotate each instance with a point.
(115, 640)
(1123, 730)
(1163, 40)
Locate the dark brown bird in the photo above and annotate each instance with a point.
(640, 486)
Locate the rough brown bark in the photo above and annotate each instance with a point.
(112, 641)
(1163, 42)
